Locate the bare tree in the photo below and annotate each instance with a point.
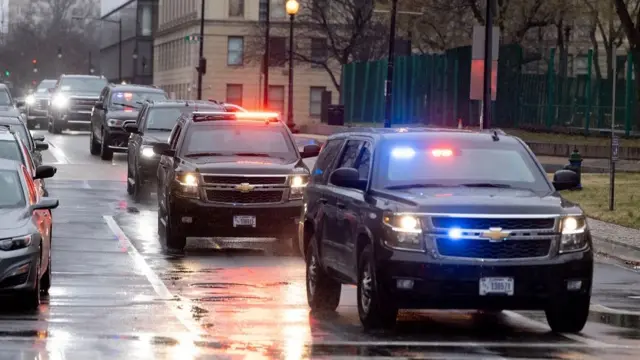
(444, 24)
(631, 27)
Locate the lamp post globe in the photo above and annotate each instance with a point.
(292, 7)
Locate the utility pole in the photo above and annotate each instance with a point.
(202, 63)
(265, 62)
(388, 86)
(488, 61)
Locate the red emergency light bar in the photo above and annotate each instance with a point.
(212, 116)
(263, 116)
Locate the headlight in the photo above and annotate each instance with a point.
(574, 234)
(59, 101)
(188, 184)
(403, 232)
(115, 122)
(30, 100)
(147, 151)
(298, 183)
(15, 243)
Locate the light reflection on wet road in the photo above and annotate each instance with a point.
(117, 295)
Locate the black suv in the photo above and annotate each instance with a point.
(117, 106)
(72, 102)
(153, 126)
(37, 104)
(444, 220)
(223, 177)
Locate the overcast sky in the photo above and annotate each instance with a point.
(107, 5)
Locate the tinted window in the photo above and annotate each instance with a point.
(12, 195)
(20, 130)
(82, 84)
(363, 162)
(5, 99)
(423, 163)
(9, 150)
(326, 157)
(231, 140)
(349, 154)
(165, 118)
(132, 100)
(45, 85)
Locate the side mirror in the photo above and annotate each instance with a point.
(38, 138)
(20, 103)
(45, 204)
(565, 180)
(45, 172)
(41, 146)
(310, 151)
(348, 178)
(163, 149)
(99, 105)
(131, 128)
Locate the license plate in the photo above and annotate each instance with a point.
(493, 285)
(244, 221)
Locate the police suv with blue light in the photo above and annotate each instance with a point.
(234, 178)
(443, 219)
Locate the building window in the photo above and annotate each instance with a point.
(235, 50)
(263, 10)
(146, 22)
(236, 8)
(315, 100)
(277, 51)
(276, 98)
(319, 52)
(234, 94)
(278, 10)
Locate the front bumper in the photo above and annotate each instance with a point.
(72, 119)
(117, 139)
(196, 218)
(18, 270)
(440, 284)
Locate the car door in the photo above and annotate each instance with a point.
(41, 219)
(166, 168)
(135, 141)
(31, 166)
(97, 115)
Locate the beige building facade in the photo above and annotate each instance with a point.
(233, 66)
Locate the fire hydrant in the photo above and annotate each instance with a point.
(575, 165)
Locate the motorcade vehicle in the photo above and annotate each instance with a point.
(444, 219)
(72, 102)
(117, 106)
(37, 104)
(8, 105)
(25, 236)
(35, 144)
(228, 176)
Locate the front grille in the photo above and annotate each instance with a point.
(253, 180)
(82, 104)
(485, 249)
(237, 197)
(42, 104)
(486, 223)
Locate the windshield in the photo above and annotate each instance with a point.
(424, 164)
(250, 140)
(9, 150)
(165, 118)
(22, 131)
(133, 100)
(5, 99)
(45, 85)
(93, 85)
(12, 195)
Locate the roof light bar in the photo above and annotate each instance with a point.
(213, 116)
(264, 116)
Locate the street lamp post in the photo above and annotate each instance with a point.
(292, 9)
(119, 22)
(388, 86)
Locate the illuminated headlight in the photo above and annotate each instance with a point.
(60, 101)
(15, 243)
(188, 184)
(298, 184)
(30, 100)
(574, 234)
(403, 232)
(115, 123)
(147, 151)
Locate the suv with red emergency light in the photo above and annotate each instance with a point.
(228, 176)
(443, 219)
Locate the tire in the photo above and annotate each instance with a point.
(30, 300)
(174, 241)
(130, 189)
(323, 292)
(49, 127)
(375, 307)
(569, 316)
(94, 146)
(105, 152)
(55, 129)
(140, 191)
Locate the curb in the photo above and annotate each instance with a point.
(629, 254)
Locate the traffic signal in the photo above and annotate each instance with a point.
(33, 82)
(7, 73)
(202, 66)
(34, 61)
(35, 65)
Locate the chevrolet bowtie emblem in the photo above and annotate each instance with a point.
(245, 187)
(496, 234)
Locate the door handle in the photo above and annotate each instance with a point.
(341, 205)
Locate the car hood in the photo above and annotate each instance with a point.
(151, 137)
(248, 165)
(41, 96)
(13, 222)
(122, 115)
(81, 94)
(484, 201)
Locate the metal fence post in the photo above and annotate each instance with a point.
(352, 90)
(365, 92)
(550, 87)
(588, 91)
(455, 89)
(628, 109)
(445, 89)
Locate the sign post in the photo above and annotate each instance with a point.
(477, 66)
(614, 138)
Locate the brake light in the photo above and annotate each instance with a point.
(442, 152)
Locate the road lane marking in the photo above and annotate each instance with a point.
(85, 184)
(155, 281)
(605, 309)
(58, 154)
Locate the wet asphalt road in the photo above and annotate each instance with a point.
(117, 295)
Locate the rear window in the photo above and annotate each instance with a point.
(10, 150)
(12, 194)
(93, 85)
(164, 119)
(133, 100)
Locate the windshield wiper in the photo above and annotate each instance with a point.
(198, 154)
(411, 186)
(125, 105)
(252, 154)
(158, 129)
(487, 185)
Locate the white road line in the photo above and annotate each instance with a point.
(541, 325)
(157, 284)
(605, 309)
(58, 154)
(85, 184)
